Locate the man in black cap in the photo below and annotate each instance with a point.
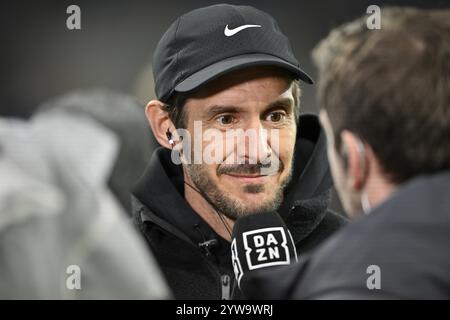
(223, 74)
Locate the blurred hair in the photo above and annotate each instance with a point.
(125, 117)
(391, 87)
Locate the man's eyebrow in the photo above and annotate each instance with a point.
(282, 102)
(216, 109)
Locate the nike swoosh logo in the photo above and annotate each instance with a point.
(232, 32)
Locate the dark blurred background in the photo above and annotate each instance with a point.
(41, 58)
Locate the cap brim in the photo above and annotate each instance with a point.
(235, 63)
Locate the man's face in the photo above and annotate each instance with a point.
(249, 174)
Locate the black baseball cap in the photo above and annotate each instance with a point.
(206, 43)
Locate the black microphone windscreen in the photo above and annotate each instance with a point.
(260, 241)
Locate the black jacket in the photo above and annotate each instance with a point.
(176, 233)
(405, 242)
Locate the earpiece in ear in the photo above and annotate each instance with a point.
(169, 137)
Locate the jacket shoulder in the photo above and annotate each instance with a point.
(333, 221)
(330, 223)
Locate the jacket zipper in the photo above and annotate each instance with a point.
(225, 280)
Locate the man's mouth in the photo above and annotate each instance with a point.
(250, 170)
(248, 178)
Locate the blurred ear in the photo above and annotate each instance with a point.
(355, 160)
(159, 121)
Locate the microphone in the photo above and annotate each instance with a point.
(260, 241)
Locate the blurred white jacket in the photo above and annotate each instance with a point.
(62, 233)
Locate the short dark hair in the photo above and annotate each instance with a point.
(175, 106)
(392, 88)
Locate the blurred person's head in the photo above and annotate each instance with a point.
(228, 68)
(59, 218)
(122, 115)
(384, 97)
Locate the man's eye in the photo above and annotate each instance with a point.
(225, 119)
(276, 116)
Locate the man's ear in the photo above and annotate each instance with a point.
(354, 159)
(160, 122)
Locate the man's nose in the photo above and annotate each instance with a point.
(257, 145)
